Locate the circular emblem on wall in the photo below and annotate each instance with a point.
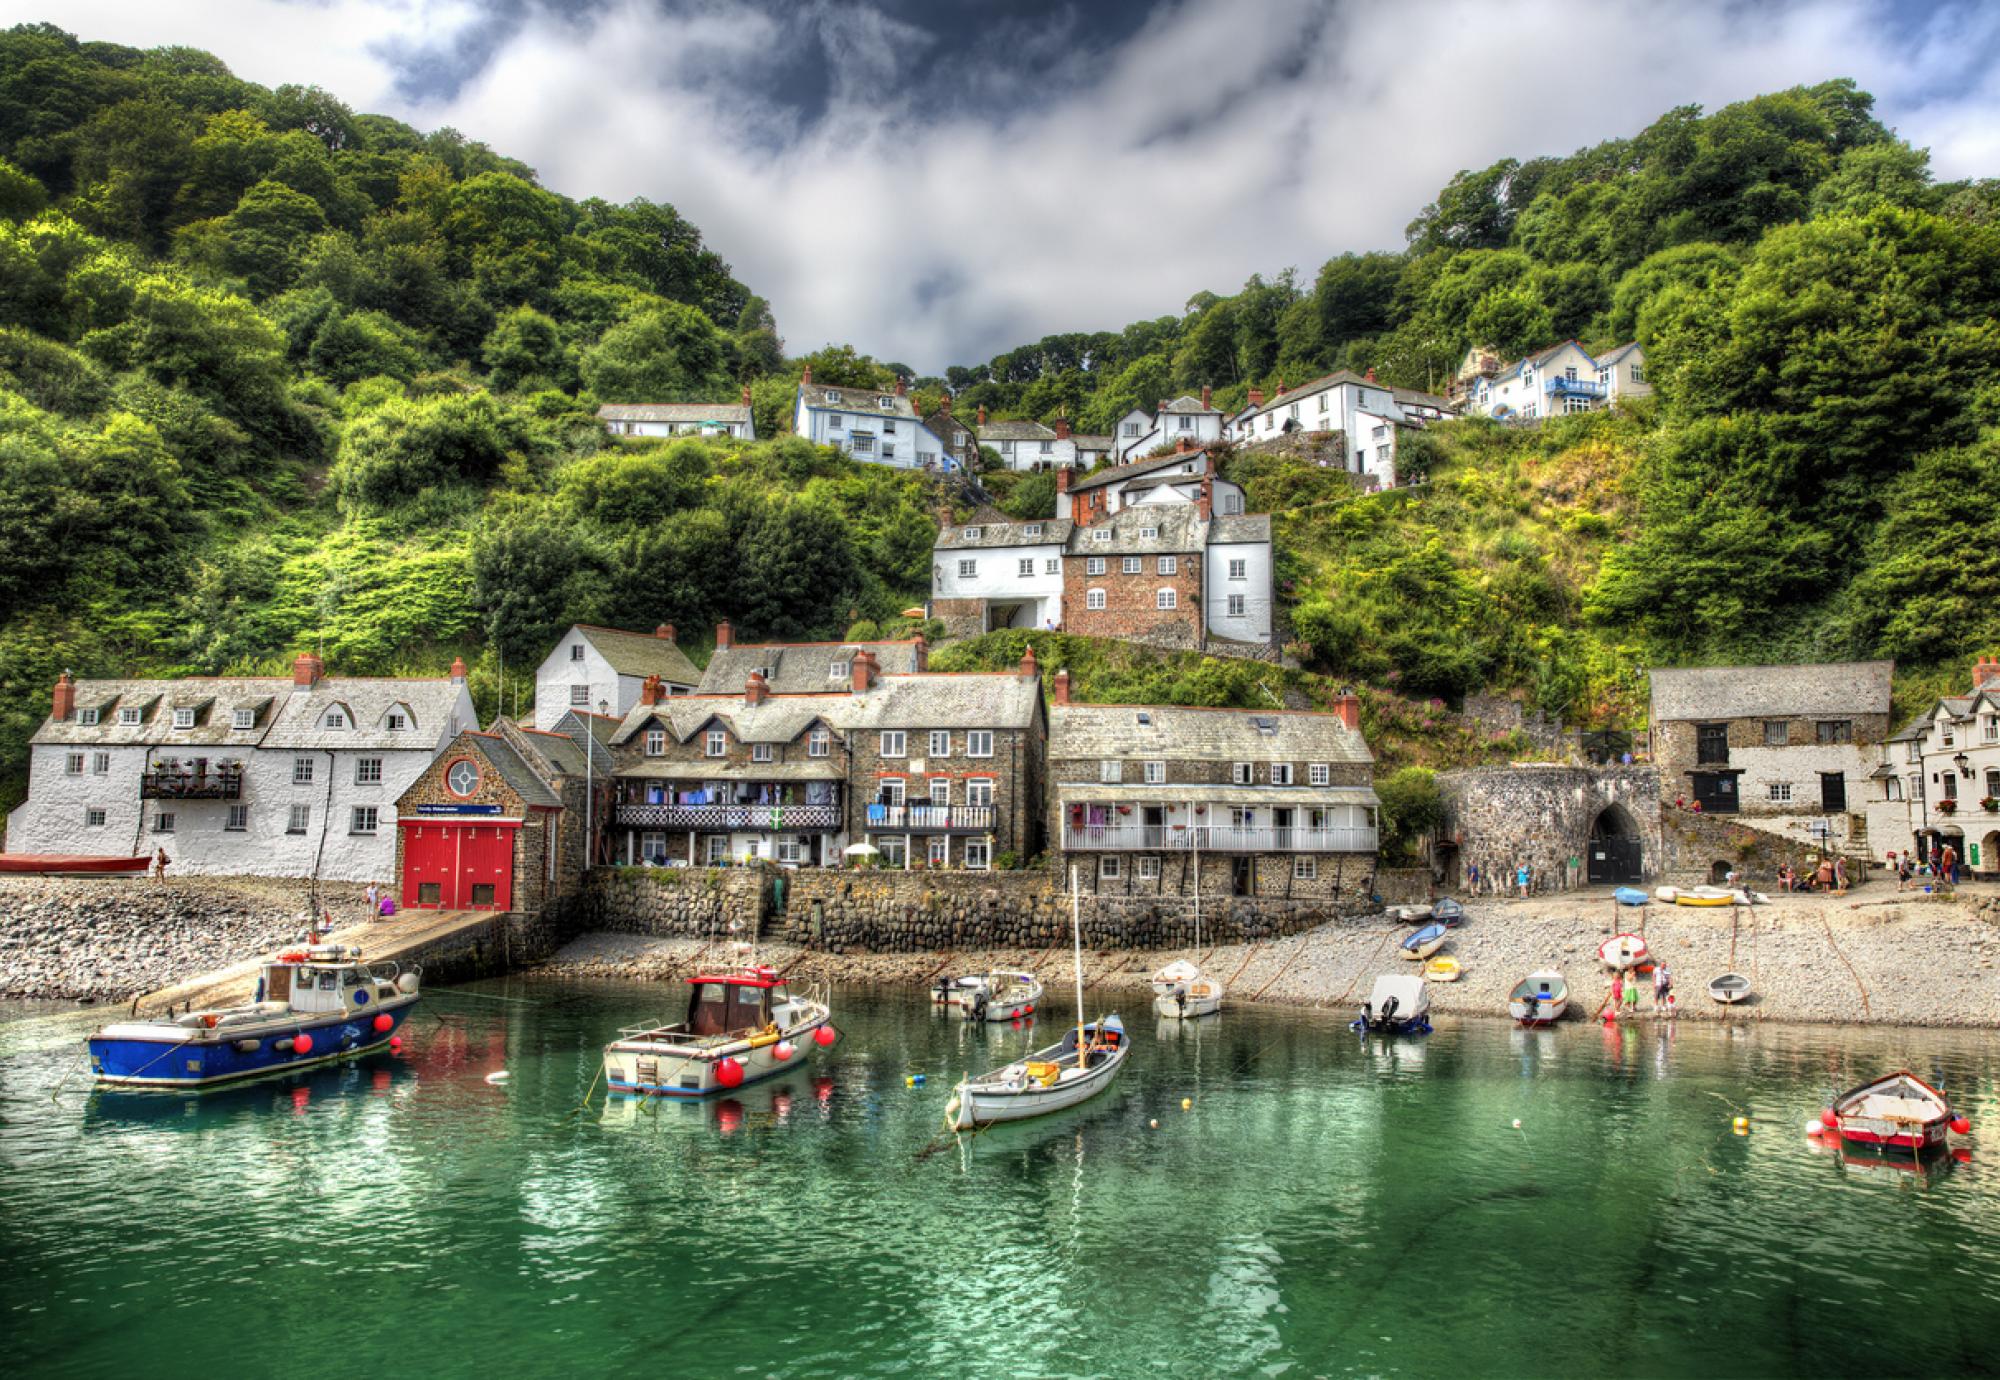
(461, 778)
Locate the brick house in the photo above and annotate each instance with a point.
(935, 768)
(1137, 575)
(1788, 748)
(497, 822)
(1171, 800)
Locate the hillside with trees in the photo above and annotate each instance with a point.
(277, 375)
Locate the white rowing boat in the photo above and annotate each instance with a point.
(1078, 1068)
(1181, 991)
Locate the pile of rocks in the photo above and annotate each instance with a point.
(115, 939)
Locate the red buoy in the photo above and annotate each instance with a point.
(385, 1023)
(395, 1042)
(824, 1036)
(1961, 1126)
(729, 1073)
(302, 1043)
(1830, 1119)
(782, 1050)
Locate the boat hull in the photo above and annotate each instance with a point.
(1002, 1011)
(1543, 1013)
(64, 865)
(140, 1055)
(1728, 993)
(1623, 951)
(1413, 1025)
(972, 1108)
(1171, 1008)
(658, 1069)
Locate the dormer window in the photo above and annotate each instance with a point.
(1101, 534)
(884, 400)
(398, 721)
(243, 718)
(87, 717)
(128, 717)
(335, 719)
(656, 742)
(839, 670)
(760, 752)
(832, 395)
(1149, 532)
(1034, 529)
(973, 533)
(717, 742)
(183, 718)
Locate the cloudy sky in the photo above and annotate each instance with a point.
(937, 180)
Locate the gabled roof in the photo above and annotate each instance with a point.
(1239, 527)
(1176, 530)
(1183, 733)
(779, 719)
(1118, 474)
(641, 654)
(946, 699)
(1188, 403)
(798, 668)
(1539, 358)
(857, 400)
(431, 701)
(514, 769)
(222, 695)
(597, 729)
(1750, 692)
(1050, 532)
(1611, 357)
(674, 412)
(1087, 441)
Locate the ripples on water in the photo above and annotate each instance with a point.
(1329, 1206)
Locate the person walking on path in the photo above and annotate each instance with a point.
(1663, 986)
(1522, 876)
(1948, 864)
(160, 861)
(371, 896)
(1840, 874)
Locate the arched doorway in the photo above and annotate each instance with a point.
(1988, 861)
(1614, 852)
(1719, 871)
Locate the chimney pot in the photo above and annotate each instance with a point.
(458, 670)
(922, 653)
(649, 693)
(1062, 480)
(1986, 674)
(746, 395)
(807, 377)
(1204, 395)
(755, 689)
(862, 670)
(901, 386)
(64, 703)
(1062, 428)
(1183, 446)
(725, 636)
(1206, 503)
(982, 414)
(1062, 686)
(944, 404)
(1370, 375)
(1348, 706)
(665, 632)
(1030, 669)
(1256, 397)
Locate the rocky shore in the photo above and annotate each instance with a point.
(1866, 959)
(113, 939)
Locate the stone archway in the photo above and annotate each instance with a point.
(1615, 852)
(1989, 854)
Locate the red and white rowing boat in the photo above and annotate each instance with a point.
(70, 865)
(1896, 1112)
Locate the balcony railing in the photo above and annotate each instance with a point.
(929, 819)
(719, 818)
(1216, 838)
(172, 783)
(1581, 388)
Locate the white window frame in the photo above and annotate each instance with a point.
(576, 651)
(1319, 774)
(73, 764)
(715, 743)
(1052, 566)
(1305, 867)
(979, 792)
(979, 742)
(1093, 599)
(94, 817)
(1109, 868)
(302, 771)
(1156, 773)
(977, 855)
(1093, 565)
(242, 719)
(1166, 599)
(1242, 773)
(183, 718)
(968, 570)
(940, 742)
(87, 717)
(128, 717)
(762, 752)
(1170, 565)
(893, 743)
(938, 790)
(364, 819)
(1026, 567)
(1131, 565)
(1146, 868)
(656, 742)
(100, 764)
(1779, 792)
(336, 720)
(1237, 606)
(236, 820)
(579, 697)
(368, 771)
(1239, 570)
(1281, 773)
(299, 820)
(818, 742)
(1111, 772)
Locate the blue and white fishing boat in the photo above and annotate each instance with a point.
(313, 1005)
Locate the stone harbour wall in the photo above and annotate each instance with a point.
(1499, 817)
(1693, 844)
(693, 902)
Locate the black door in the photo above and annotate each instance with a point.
(1239, 876)
(1832, 791)
(1715, 791)
(1613, 861)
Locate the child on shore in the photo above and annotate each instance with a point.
(1632, 996)
(1617, 996)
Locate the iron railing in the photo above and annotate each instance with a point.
(175, 783)
(717, 818)
(1216, 838)
(920, 819)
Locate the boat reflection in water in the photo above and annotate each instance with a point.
(784, 1100)
(173, 1112)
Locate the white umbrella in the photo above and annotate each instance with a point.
(861, 850)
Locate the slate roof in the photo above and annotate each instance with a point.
(301, 714)
(1092, 791)
(674, 412)
(1240, 527)
(1412, 397)
(950, 431)
(1054, 532)
(555, 754)
(1181, 733)
(1752, 692)
(797, 668)
(1176, 530)
(217, 697)
(1016, 431)
(1119, 473)
(857, 400)
(641, 654)
(943, 699)
(1188, 403)
(602, 728)
(664, 769)
(1088, 442)
(1612, 357)
(514, 769)
(779, 719)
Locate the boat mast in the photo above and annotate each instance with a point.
(1197, 897)
(1076, 938)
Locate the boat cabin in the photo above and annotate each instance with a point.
(732, 1004)
(1103, 1039)
(322, 979)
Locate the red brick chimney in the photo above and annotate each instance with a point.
(863, 669)
(746, 395)
(458, 670)
(755, 689)
(1281, 391)
(1062, 686)
(1030, 669)
(1062, 428)
(1206, 503)
(1348, 706)
(1204, 395)
(982, 414)
(649, 692)
(1370, 375)
(725, 636)
(922, 653)
(944, 404)
(665, 632)
(1256, 397)
(1062, 480)
(1986, 674)
(64, 703)
(1183, 446)
(307, 670)
(901, 387)
(807, 377)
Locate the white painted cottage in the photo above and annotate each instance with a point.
(1029, 445)
(255, 776)
(1561, 379)
(880, 426)
(681, 419)
(1182, 419)
(1370, 414)
(591, 666)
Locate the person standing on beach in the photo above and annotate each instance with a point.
(1522, 876)
(1632, 996)
(1947, 863)
(370, 895)
(160, 861)
(1663, 986)
(1617, 995)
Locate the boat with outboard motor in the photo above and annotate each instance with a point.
(313, 1004)
(740, 1027)
(1399, 1005)
(1539, 999)
(1001, 996)
(1182, 991)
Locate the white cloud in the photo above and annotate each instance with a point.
(1204, 148)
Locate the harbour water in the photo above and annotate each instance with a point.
(1325, 1205)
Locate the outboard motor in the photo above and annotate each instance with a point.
(1389, 1012)
(977, 1011)
(1180, 999)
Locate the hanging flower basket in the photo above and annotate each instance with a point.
(1201, 809)
(1124, 809)
(1946, 807)
(1990, 804)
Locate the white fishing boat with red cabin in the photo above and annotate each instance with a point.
(740, 1027)
(1897, 1112)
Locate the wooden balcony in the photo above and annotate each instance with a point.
(1214, 838)
(719, 819)
(177, 783)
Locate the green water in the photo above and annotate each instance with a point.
(1326, 1207)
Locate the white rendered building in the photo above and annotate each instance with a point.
(681, 419)
(1182, 420)
(592, 666)
(877, 425)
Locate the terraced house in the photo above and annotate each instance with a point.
(1561, 379)
(923, 768)
(261, 776)
(880, 426)
(1939, 779)
(1169, 800)
(681, 419)
(1371, 416)
(1179, 420)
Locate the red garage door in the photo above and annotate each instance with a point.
(453, 866)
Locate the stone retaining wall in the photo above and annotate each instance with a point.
(1694, 843)
(1499, 817)
(694, 902)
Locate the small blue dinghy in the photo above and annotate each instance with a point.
(1448, 912)
(1425, 941)
(1631, 896)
